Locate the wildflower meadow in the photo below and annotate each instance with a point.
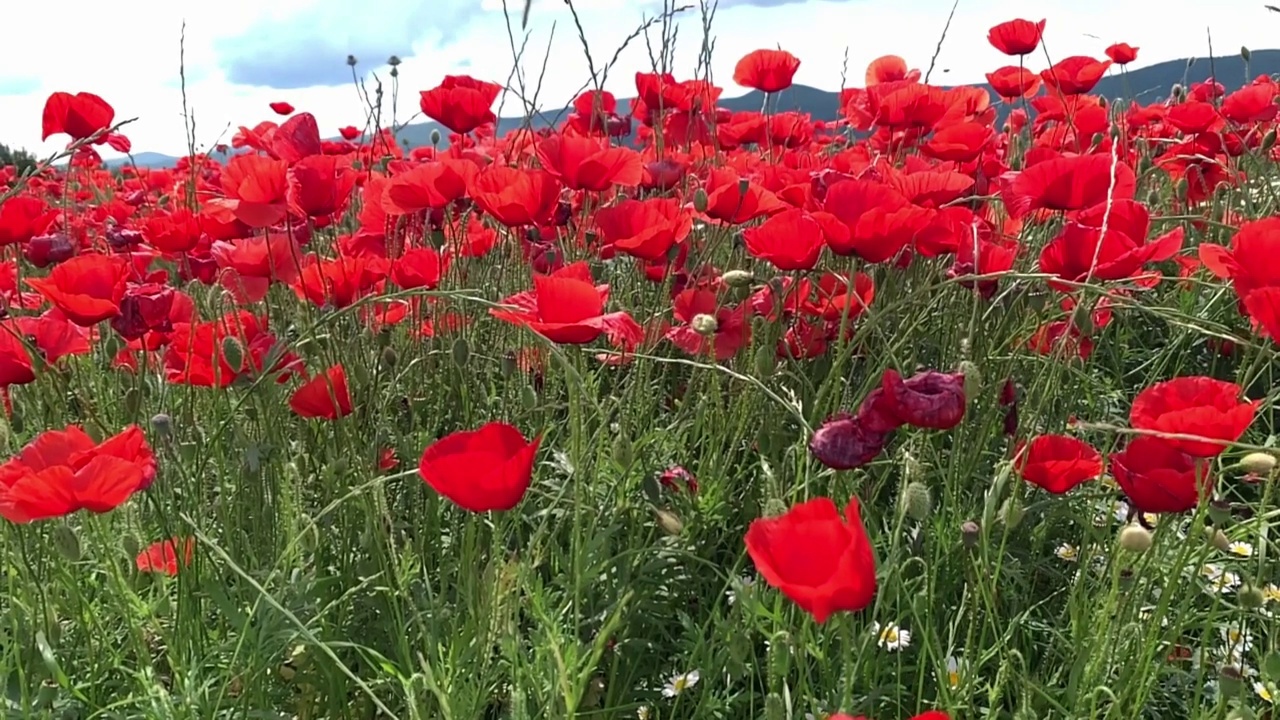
(961, 406)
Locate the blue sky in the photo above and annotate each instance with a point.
(243, 54)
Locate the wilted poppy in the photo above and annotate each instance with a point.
(485, 469)
(928, 399)
(821, 560)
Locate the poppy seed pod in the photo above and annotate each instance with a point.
(435, 137)
(1245, 54)
(162, 424)
(917, 502)
(1251, 597)
(1135, 538)
(970, 534)
(1220, 512)
(1230, 681)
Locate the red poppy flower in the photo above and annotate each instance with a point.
(23, 217)
(419, 268)
(790, 240)
(336, 282)
(166, 557)
(430, 186)
(1057, 463)
(515, 197)
(1158, 477)
(324, 396)
(485, 469)
(646, 229)
(282, 108)
(567, 309)
(1075, 75)
(349, 132)
(257, 189)
(928, 399)
(1012, 82)
(80, 116)
(1067, 183)
(144, 308)
(1194, 405)
(1016, 37)
(735, 200)
(583, 162)
(729, 331)
(821, 560)
(1122, 53)
(768, 71)
(88, 288)
(320, 185)
(63, 471)
(461, 103)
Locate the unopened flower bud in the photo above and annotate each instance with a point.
(1220, 512)
(970, 534)
(704, 324)
(1258, 463)
(972, 378)
(1135, 538)
(623, 454)
(737, 278)
(1245, 54)
(1251, 597)
(66, 542)
(700, 200)
(435, 137)
(1269, 140)
(916, 500)
(461, 352)
(528, 397)
(162, 424)
(507, 366)
(669, 522)
(764, 361)
(1012, 512)
(389, 358)
(233, 352)
(1218, 539)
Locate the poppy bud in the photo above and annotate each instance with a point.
(1258, 463)
(461, 352)
(130, 544)
(1012, 512)
(764, 361)
(233, 353)
(132, 401)
(669, 522)
(1220, 512)
(1251, 597)
(773, 507)
(507, 366)
(623, 453)
(780, 650)
(652, 488)
(700, 200)
(1180, 188)
(66, 542)
(704, 324)
(435, 137)
(389, 358)
(1177, 92)
(162, 424)
(1245, 54)
(737, 278)
(1269, 140)
(1135, 538)
(528, 397)
(971, 376)
(1230, 681)
(970, 534)
(1217, 538)
(916, 500)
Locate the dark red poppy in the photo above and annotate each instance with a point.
(1158, 477)
(928, 399)
(1122, 53)
(819, 558)
(790, 240)
(144, 308)
(1194, 405)
(63, 471)
(766, 70)
(1057, 463)
(88, 288)
(325, 396)
(845, 441)
(167, 557)
(1016, 37)
(480, 470)
(461, 103)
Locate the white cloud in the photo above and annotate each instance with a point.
(132, 59)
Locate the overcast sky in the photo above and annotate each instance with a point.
(243, 54)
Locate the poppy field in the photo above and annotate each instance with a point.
(960, 406)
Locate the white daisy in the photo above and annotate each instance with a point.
(1271, 592)
(1067, 552)
(955, 671)
(1236, 641)
(1263, 691)
(681, 682)
(1240, 548)
(891, 637)
(643, 713)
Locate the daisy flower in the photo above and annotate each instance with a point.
(1263, 691)
(1236, 641)
(1067, 552)
(1240, 548)
(891, 637)
(955, 671)
(681, 682)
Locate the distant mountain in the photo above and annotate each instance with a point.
(1146, 84)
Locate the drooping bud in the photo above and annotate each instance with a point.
(1245, 54)
(1269, 140)
(737, 278)
(528, 397)
(389, 358)
(700, 200)
(1135, 538)
(623, 454)
(669, 522)
(233, 352)
(461, 352)
(917, 502)
(764, 361)
(1258, 463)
